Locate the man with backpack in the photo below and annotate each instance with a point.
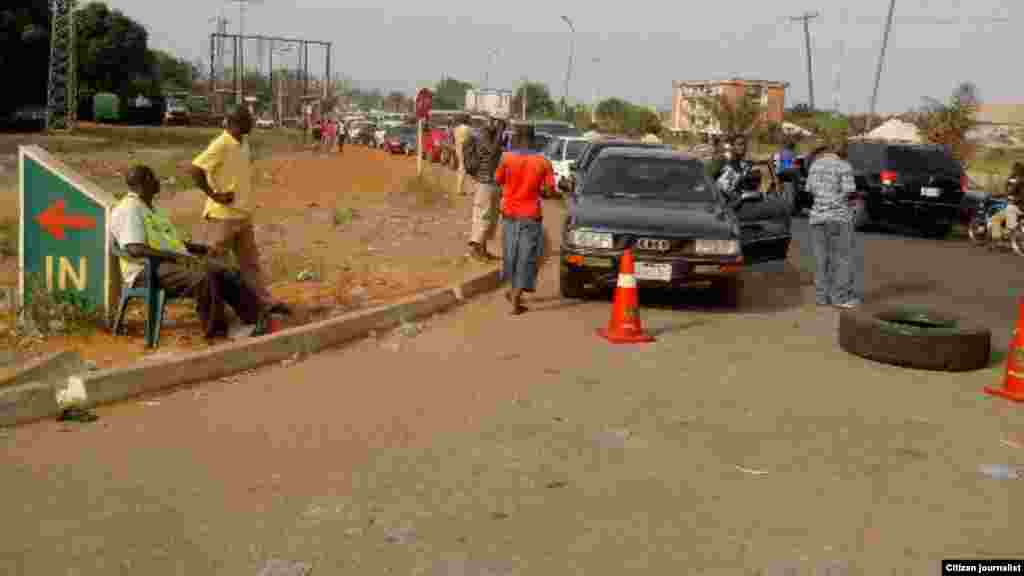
(481, 157)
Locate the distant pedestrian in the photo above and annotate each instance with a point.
(523, 175)
(330, 135)
(460, 135)
(483, 155)
(342, 135)
(831, 184)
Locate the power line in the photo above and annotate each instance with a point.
(806, 17)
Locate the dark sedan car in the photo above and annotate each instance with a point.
(681, 228)
(579, 166)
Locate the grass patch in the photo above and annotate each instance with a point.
(426, 190)
(8, 237)
(58, 312)
(344, 216)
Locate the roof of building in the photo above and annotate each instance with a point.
(733, 80)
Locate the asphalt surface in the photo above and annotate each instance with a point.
(741, 442)
(950, 275)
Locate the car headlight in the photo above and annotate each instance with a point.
(717, 247)
(590, 239)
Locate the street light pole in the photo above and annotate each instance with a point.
(568, 72)
(593, 105)
(881, 60)
(490, 62)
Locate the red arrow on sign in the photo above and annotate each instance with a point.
(54, 220)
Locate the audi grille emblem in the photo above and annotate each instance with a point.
(653, 245)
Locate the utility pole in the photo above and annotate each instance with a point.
(61, 90)
(568, 73)
(806, 18)
(837, 89)
(881, 61)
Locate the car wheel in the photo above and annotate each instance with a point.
(915, 338)
(730, 291)
(570, 284)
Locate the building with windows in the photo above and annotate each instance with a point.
(493, 102)
(689, 115)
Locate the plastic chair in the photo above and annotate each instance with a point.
(150, 292)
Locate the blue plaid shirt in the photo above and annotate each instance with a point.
(830, 182)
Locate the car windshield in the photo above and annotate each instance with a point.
(573, 149)
(921, 160)
(667, 179)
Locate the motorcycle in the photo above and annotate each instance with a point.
(980, 229)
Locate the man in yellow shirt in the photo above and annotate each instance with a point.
(224, 173)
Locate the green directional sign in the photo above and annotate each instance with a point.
(63, 229)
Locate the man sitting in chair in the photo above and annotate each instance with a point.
(141, 230)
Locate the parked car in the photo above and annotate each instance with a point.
(265, 122)
(361, 132)
(393, 142)
(590, 150)
(176, 111)
(28, 119)
(919, 184)
(407, 136)
(562, 152)
(556, 128)
(681, 228)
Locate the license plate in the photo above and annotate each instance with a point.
(705, 269)
(597, 262)
(651, 271)
(931, 192)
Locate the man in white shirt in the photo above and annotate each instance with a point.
(142, 230)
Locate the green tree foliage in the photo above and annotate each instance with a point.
(25, 51)
(175, 74)
(539, 103)
(112, 52)
(734, 116)
(949, 122)
(618, 116)
(450, 94)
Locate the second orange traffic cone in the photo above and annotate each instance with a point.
(625, 327)
(1013, 385)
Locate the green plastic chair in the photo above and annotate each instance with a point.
(150, 292)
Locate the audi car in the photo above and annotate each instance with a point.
(682, 229)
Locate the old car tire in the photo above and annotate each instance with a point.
(730, 291)
(915, 338)
(571, 285)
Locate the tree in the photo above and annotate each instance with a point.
(619, 116)
(732, 116)
(450, 94)
(112, 53)
(948, 123)
(174, 74)
(538, 101)
(24, 48)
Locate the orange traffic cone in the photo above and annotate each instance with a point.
(624, 327)
(1013, 385)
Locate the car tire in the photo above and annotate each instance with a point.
(730, 292)
(915, 338)
(977, 232)
(571, 285)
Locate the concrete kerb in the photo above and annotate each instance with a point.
(29, 402)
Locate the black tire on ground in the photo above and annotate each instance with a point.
(915, 338)
(730, 291)
(570, 285)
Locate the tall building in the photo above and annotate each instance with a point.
(688, 115)
(493, 102)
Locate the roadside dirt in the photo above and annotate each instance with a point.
(337, 232)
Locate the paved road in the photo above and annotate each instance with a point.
(739, 443)
(950, 275)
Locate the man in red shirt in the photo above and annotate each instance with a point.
(522, 174)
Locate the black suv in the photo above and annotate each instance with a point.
(913, 183)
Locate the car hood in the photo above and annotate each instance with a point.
(625, 215)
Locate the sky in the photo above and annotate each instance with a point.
(633, 50)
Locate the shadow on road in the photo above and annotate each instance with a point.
(764, 292)
(658, 331)
(898, 289)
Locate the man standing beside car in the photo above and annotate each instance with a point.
(831, 184)
(460, 135)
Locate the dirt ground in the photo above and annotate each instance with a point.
(337, 232)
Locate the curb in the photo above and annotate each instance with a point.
(36, 401)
